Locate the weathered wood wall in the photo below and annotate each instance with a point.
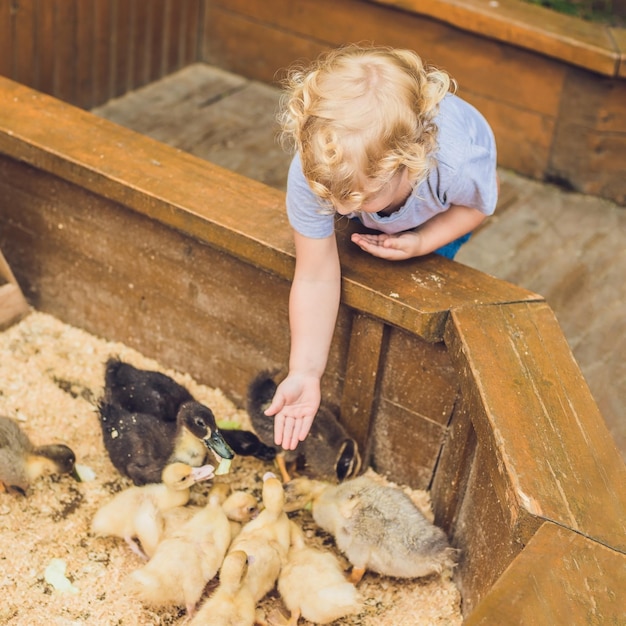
(552, 87)
(89, 51)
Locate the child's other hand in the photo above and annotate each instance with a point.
(294, 406)
(391, 247)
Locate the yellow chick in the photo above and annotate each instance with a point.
(313, 585)
(131, 513)
(232, 603)
(240, 507)
(378, 528)
(265, 540)
(21, 462)
(184, 563)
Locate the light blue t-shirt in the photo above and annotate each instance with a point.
(464, 174)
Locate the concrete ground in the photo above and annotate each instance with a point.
(567, 247)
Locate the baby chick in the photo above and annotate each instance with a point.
(140, 446)
(327, 453)
(232, 603)
(240, 507)
(312, 584)
(21, 462)
(377, 527)
(185, 562)
(265, 540)
(128, 514)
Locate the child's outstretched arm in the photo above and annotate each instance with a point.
(313, 306)
(433, 234)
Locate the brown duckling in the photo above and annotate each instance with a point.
(21, 462)
(140, 446)
(231, 604)
(327, 453)
(130, 513)
(157, 394)
(265, 540)
(313, 585)
(377, 527)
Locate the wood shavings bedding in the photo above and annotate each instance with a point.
(51, 376)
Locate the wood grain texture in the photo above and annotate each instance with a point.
(580, 42)
(537, 424)
(94, 154)
(88, 51)
(546, 582)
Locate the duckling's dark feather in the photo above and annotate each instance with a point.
(143, 391)
(155, 394)
(137, 444)
(327, 452)
(246, 443)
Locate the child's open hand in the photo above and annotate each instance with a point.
(398, 247)
(294, 406)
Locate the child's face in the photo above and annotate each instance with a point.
(392, 196)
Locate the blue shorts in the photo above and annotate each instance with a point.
(450, 249)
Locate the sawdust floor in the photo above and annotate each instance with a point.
(51, 375)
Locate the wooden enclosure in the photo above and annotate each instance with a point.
(450, 379)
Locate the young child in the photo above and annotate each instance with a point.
(379, 137)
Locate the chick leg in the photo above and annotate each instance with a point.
(135, 548)
(356, 574)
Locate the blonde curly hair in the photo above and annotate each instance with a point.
(357, 116)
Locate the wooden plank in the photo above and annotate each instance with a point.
(449, 485)
(593, 116)
(619, 36)
(25, 62)
(361, 380)
(405, 445)
(172, 37)
(157, 40)
(484, 528)
(580, 42)
(533, 405)
(138, 171)
(6, 39)
(561, 577)
(194, 18)
(102, 55)
(122, 47)
(141, 43)
(419, 375)
(85, 29)
(65, 26)
(44, 36)
(259, 39)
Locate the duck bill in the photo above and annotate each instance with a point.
(217, 443)
(75, 475)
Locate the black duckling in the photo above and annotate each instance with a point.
(21, 462)
(140, 446)
(155, 393)
(327, 453)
